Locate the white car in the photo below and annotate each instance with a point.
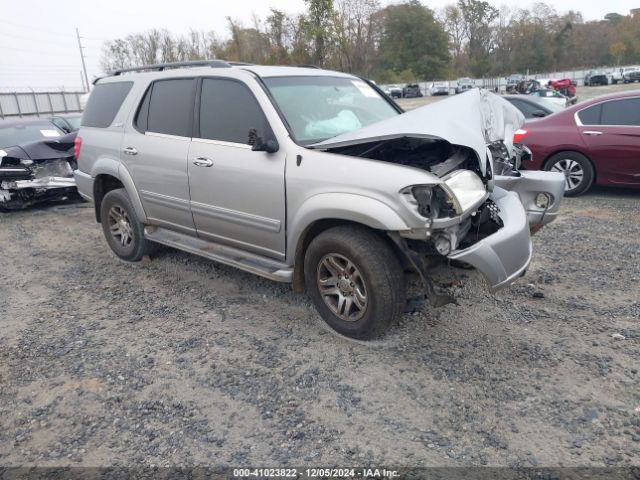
(552, 96)
(438, 88)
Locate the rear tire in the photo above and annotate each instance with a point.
(122, 229)
(355, 280)
(577, 169)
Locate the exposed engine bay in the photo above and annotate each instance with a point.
(423, 153)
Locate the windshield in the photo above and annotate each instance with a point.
(318, 108)
(19, 134)
(74, 122)
(554, 107)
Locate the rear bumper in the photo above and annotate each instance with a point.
(504, 256)
(84, 182)
(527, 185)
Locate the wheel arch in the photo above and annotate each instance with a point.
(316, 228)
(109, 180)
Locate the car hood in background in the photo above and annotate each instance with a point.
(473, 119)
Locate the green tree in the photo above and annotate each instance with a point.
(478, 17)
(413, 40)
(318, 26)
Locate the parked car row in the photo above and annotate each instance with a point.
(411, 90)
(626, 75)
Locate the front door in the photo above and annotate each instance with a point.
(237, 195)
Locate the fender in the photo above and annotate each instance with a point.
(110, 166)
(341, 206)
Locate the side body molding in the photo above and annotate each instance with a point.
(341, 206)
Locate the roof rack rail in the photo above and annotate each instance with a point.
(158, 67)
(304, 65)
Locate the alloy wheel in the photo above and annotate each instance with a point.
(572, 171)
(120, 226)
(342, 287)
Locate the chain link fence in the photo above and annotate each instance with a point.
(37, 103)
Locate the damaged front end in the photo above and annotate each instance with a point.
(473, 210)
(36, 172)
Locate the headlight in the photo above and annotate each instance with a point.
(465, 188)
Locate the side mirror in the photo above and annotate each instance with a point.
(259, 145)
(539, 113)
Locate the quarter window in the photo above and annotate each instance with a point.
(170, 107)
(591, 115)
(228, 111)
(104, 102)
(621, 112)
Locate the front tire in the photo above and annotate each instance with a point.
(122, 229)
(355, 281)
(577, 169)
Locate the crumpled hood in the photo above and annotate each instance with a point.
(473, 119)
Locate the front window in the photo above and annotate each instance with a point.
(318, 108)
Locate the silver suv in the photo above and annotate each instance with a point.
(311, 177)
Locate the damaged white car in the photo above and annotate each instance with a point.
(312, 177)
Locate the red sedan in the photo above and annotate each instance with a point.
(596, 141)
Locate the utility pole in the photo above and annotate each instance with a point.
(84, 67)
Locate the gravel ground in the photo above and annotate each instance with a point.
(181, 361)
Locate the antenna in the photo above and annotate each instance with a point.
(84, 67)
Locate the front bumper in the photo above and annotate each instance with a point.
(505, 255)
(527, 185)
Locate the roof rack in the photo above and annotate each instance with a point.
(304, 65)
(158, 67)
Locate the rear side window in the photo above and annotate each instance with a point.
(621, 112)
(526, 109)
(170, 107)
(104, 102)
(591, 115)
(228, 110)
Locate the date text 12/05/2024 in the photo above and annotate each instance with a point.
(315, 473)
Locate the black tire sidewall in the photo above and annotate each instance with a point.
(587, 168)
(381, 273)
(136, 250)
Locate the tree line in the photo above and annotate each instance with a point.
(400, 42)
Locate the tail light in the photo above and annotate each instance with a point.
(519, 135)
(77, 144)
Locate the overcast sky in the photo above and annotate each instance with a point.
(38, 45)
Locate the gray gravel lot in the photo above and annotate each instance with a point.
(185, 362)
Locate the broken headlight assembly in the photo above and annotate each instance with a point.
(460, 191)
(465, 188)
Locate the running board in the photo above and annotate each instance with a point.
(249, 262)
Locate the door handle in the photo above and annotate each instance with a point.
(592, 132)
(203, 162)
(129, 151)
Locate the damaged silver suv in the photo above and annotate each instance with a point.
(311, 177)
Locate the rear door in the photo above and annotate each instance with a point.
(237, 195)
(611, 131)
(155, 150)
